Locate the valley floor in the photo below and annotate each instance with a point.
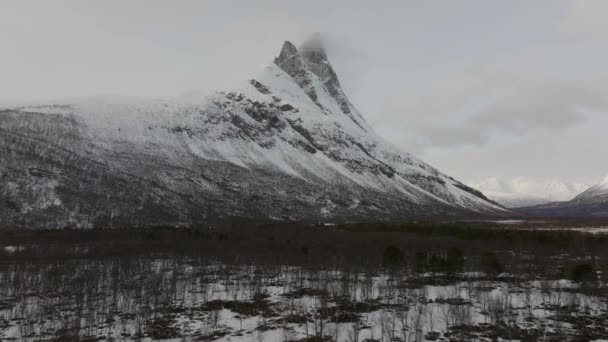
(415, 281)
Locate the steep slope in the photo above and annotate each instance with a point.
(524, 192)
(285, 145)
(592, 202)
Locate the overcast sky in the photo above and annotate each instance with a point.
(476, 88)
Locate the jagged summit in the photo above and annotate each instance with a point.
(314, 44)
(291, 61)
(288, 51)
(313, 52)
(311, 58)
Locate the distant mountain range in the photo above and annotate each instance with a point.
(524, 192)
(286, 144)
(593, 202)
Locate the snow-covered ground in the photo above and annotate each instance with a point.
(253, 303)
(587, 230)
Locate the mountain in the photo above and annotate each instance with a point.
(524, 192)
(287, 144)
(592, 202)
(599, 190)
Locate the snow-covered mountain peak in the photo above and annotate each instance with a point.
(313, 53)
(316, 59)
(288, 51)
(291, 61)
(311, 70)
(285, 144)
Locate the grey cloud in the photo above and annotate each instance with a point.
(572, 154)
(478, 108)
(531, 105)
(586, 19)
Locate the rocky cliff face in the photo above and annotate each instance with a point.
(285, 145)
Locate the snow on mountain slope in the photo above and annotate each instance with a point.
(593, 202)
(600, 189)
(286, 144)
(523, 192)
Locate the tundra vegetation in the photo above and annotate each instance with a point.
(415, 281)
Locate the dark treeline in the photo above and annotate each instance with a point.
(413, 244)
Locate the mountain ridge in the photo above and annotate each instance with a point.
(592, 202)
(524, 192)
(599, 189)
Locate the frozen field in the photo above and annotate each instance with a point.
(177, 300)
(412, 282)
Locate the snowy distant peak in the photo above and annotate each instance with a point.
(555, 188)
(593, 202)
(521, 192)
(599, 189)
